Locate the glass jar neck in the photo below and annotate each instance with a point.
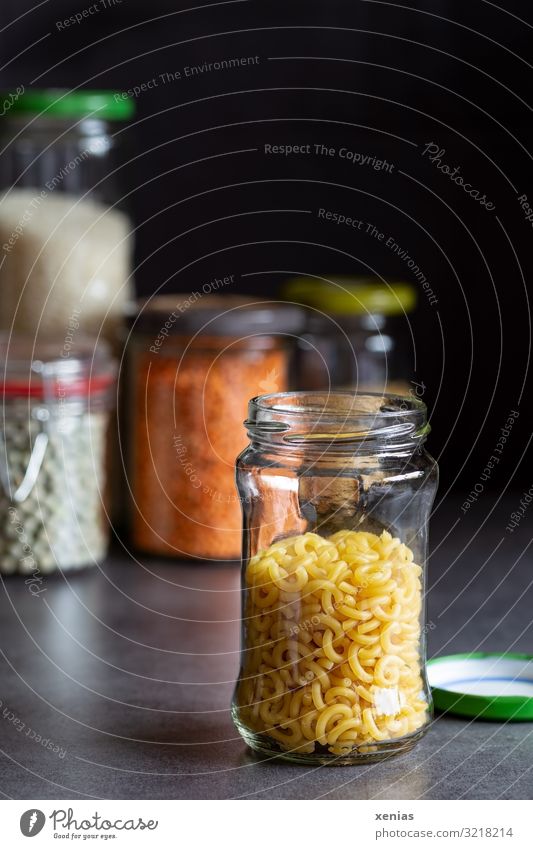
(58, 155)
(337, 422)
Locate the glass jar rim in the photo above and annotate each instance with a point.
(215, 314)
(77, 367)
(338, 419)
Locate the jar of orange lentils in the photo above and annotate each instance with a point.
(193, 364)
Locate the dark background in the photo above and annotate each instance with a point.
(391, 79)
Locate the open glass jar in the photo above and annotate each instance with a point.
(56, 403)
(336, 491)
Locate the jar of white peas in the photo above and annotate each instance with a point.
(57, 396)
(336, 491)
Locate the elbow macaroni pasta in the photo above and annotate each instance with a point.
(331, 643)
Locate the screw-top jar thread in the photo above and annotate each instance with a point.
(337, 421)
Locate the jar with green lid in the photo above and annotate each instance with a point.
(56, 404)
(65, 240)
(357, 333)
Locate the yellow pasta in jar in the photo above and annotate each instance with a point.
(332, 644)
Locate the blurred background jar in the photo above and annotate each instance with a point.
(66, 246)
(357, 334)
(194, 362)
(56, 403)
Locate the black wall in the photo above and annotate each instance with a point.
(381, 79)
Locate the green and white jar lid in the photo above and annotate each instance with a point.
(483, 685)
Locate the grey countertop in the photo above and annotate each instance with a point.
(116, 683)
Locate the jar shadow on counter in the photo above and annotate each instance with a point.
(187, 735)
